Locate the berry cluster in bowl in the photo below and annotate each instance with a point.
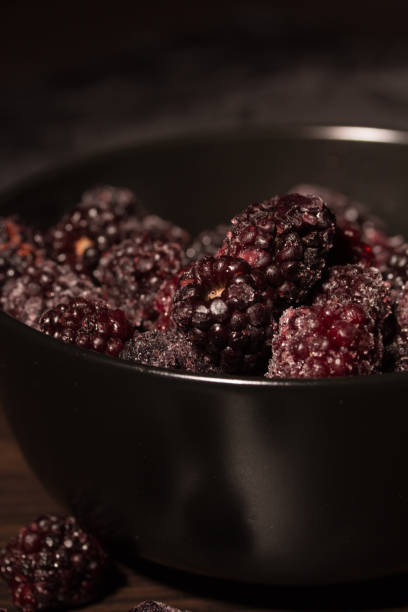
(307, 284)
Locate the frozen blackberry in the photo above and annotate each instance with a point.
(325, 340)
(133, 272)
(207, 243)
(349, 246)
(395, 269)
(154, 606)
(92, 227)
(165, 230)
(43, 287)
(53, 563)
(89, 325)
(357, 284)
(288, 238)
(226, 309)
(396, 357)
(345, 208)
(17, 249)
(361, 236)
(169, 349)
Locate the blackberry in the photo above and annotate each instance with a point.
(357, 284)
(226, 309)
(89, 325)
(395, 268)
(326, 340)
(154, 606)
(165, 230)
(17, 249)
(343, 206)
(43, 287)
(92, 227)
(288, 238)
(133, 272)
(53, 563)
(349, 246)
(397, 351)
(361, 236)
(207, 243)
(171, 349)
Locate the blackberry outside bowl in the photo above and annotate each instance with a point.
(275, 482)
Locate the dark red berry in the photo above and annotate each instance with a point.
(92, 227)
(133, 272)
(288, 238)
(161, 228)
(361, 237)
(53, 563)
(89, 325)
(396, 357)
(226, 309)
(42, 287)
(17, 249)
(207, 243)
(357, 284)
(171, 349)
(325, 340)
(395, 268)
(346, 209)
(154, 606)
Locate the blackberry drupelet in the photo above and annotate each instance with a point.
(53, 563)
(325, 340)
(357, 284)
(171, 349)
(154, 606)
(133, 272)
(92, 227)
(19, 247)
(43, 287)
(226, 309)
(288, 238)
(89, 325)
(163, 304)
(207, 243)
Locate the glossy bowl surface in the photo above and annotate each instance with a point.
(275, 482)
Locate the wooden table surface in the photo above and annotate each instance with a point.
(23, 498)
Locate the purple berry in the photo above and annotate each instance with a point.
(226, 309)
(154, 606)
(89, 325)
(92, 227)
(288, 238)
(19, 249)
(207, 243)
(134, 271)
(325, 340)
(357, 284)
(53, 563)
(42, 287)
(169, 349)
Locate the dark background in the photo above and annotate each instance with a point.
(78, 77)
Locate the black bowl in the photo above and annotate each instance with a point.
(275, 482)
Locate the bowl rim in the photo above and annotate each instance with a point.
(348, 133)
